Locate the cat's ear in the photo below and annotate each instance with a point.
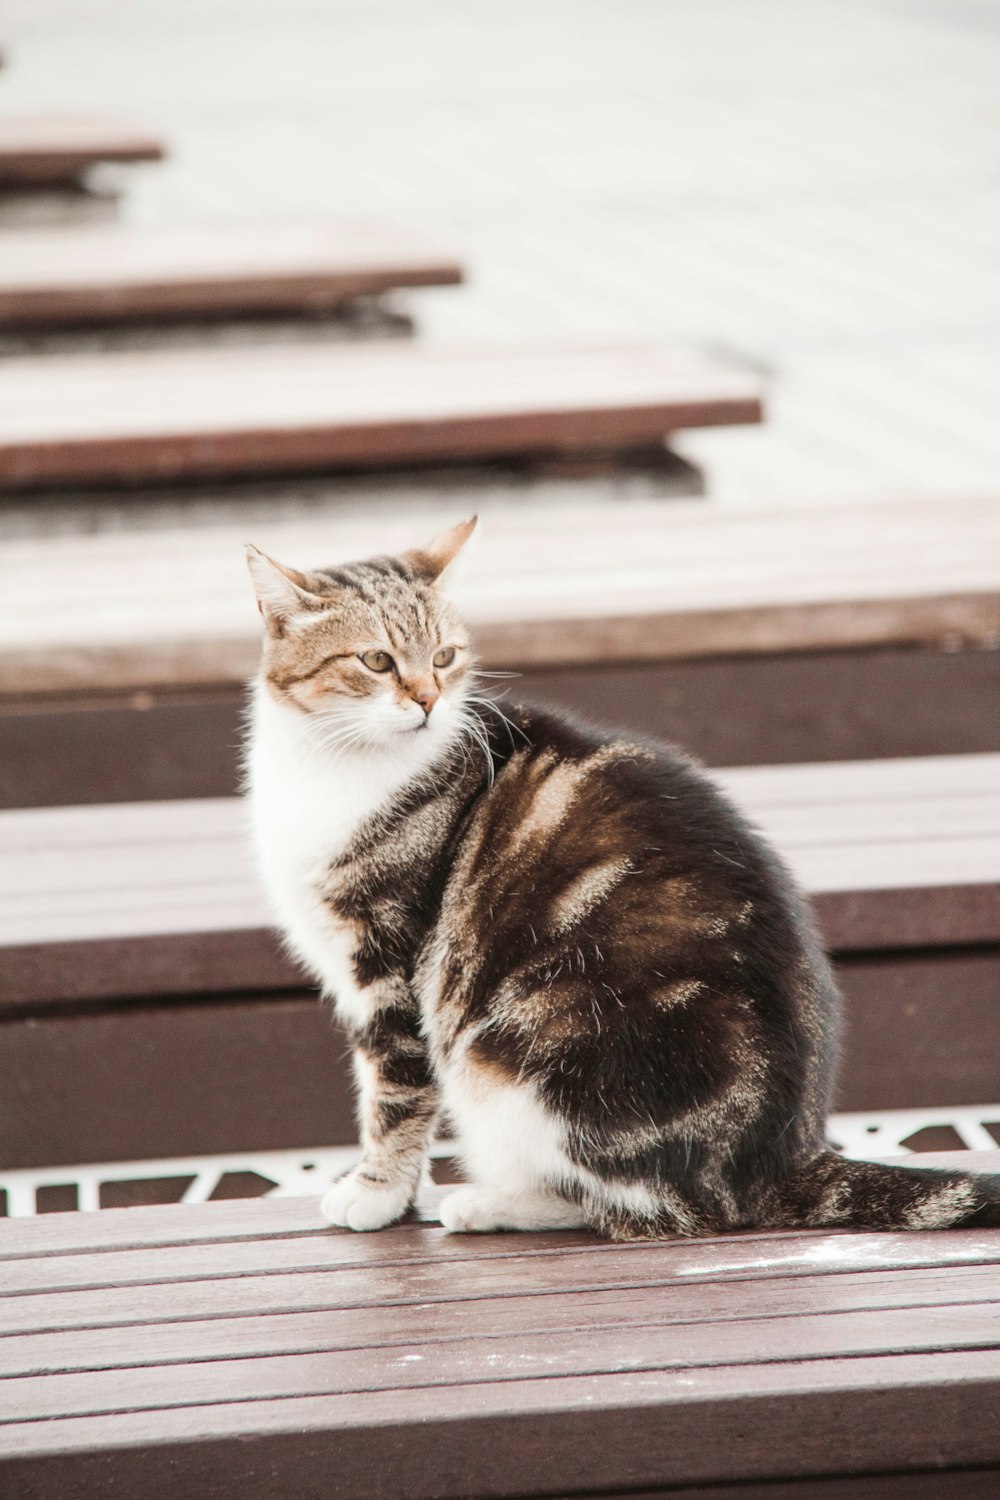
(281, 592)
(430, 562)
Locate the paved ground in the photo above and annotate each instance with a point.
(812, 184)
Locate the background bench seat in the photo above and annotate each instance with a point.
(750, 636)
(570, 585)
(68, 419)
(46, 149)
(49, 278)
(200, 1349)
(139, 965)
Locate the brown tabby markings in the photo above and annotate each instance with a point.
(585, 891)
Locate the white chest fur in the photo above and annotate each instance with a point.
(306, 804)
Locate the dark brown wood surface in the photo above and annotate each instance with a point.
(162, 898)
(57, 147)
(168, 415)
(110, 275)
(739, 711)
(242, 1348)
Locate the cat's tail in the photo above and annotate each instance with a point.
(833, 1191)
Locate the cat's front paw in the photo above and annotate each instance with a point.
(354, 1203)
(470, 1210)
(478, 1210)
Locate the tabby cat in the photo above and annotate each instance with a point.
(567, 939)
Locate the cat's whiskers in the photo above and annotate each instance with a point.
(473, 724)
(512, 728)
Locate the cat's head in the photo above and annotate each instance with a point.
(372, 650)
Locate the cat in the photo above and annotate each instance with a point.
(568, 939)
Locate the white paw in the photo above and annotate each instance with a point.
(477, 1210)
(353, 1203)
(471, 1210)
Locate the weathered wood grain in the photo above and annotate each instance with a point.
(492, 1311)
(599, 1349)
(739, 1257)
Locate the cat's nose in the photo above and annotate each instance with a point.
(427, 698)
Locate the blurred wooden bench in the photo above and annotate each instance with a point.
(168, 415)
(137, 961)
(193, 1350)
(751, 636)
(58, 148)
(115, 275)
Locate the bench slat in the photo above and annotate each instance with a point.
(492, 1312)
(512, 1356)
(171, 414)
(52, 148)
(648, 1427)
(305, 1292)
(113, 275)
(639, 580)
(410, 1247)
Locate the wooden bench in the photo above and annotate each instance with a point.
(48, 278)
(136, 417)
(41, 150)
(138, 964)
(749, 636)
(240, 1348)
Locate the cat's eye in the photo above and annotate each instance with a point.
(444, 657)
(376, 661)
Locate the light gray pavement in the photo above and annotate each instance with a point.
(813, 185)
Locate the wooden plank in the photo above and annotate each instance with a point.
(299, 1294)
(746, 1257)
(886, 702)
(110, 275)
(491, 1314)
(928, 1484)
(55, 148)
(637, 1430)
(173, 414)
(545, 587)
(158, 898)
(133, 1080)
(505, 1357)
(922, 1028)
